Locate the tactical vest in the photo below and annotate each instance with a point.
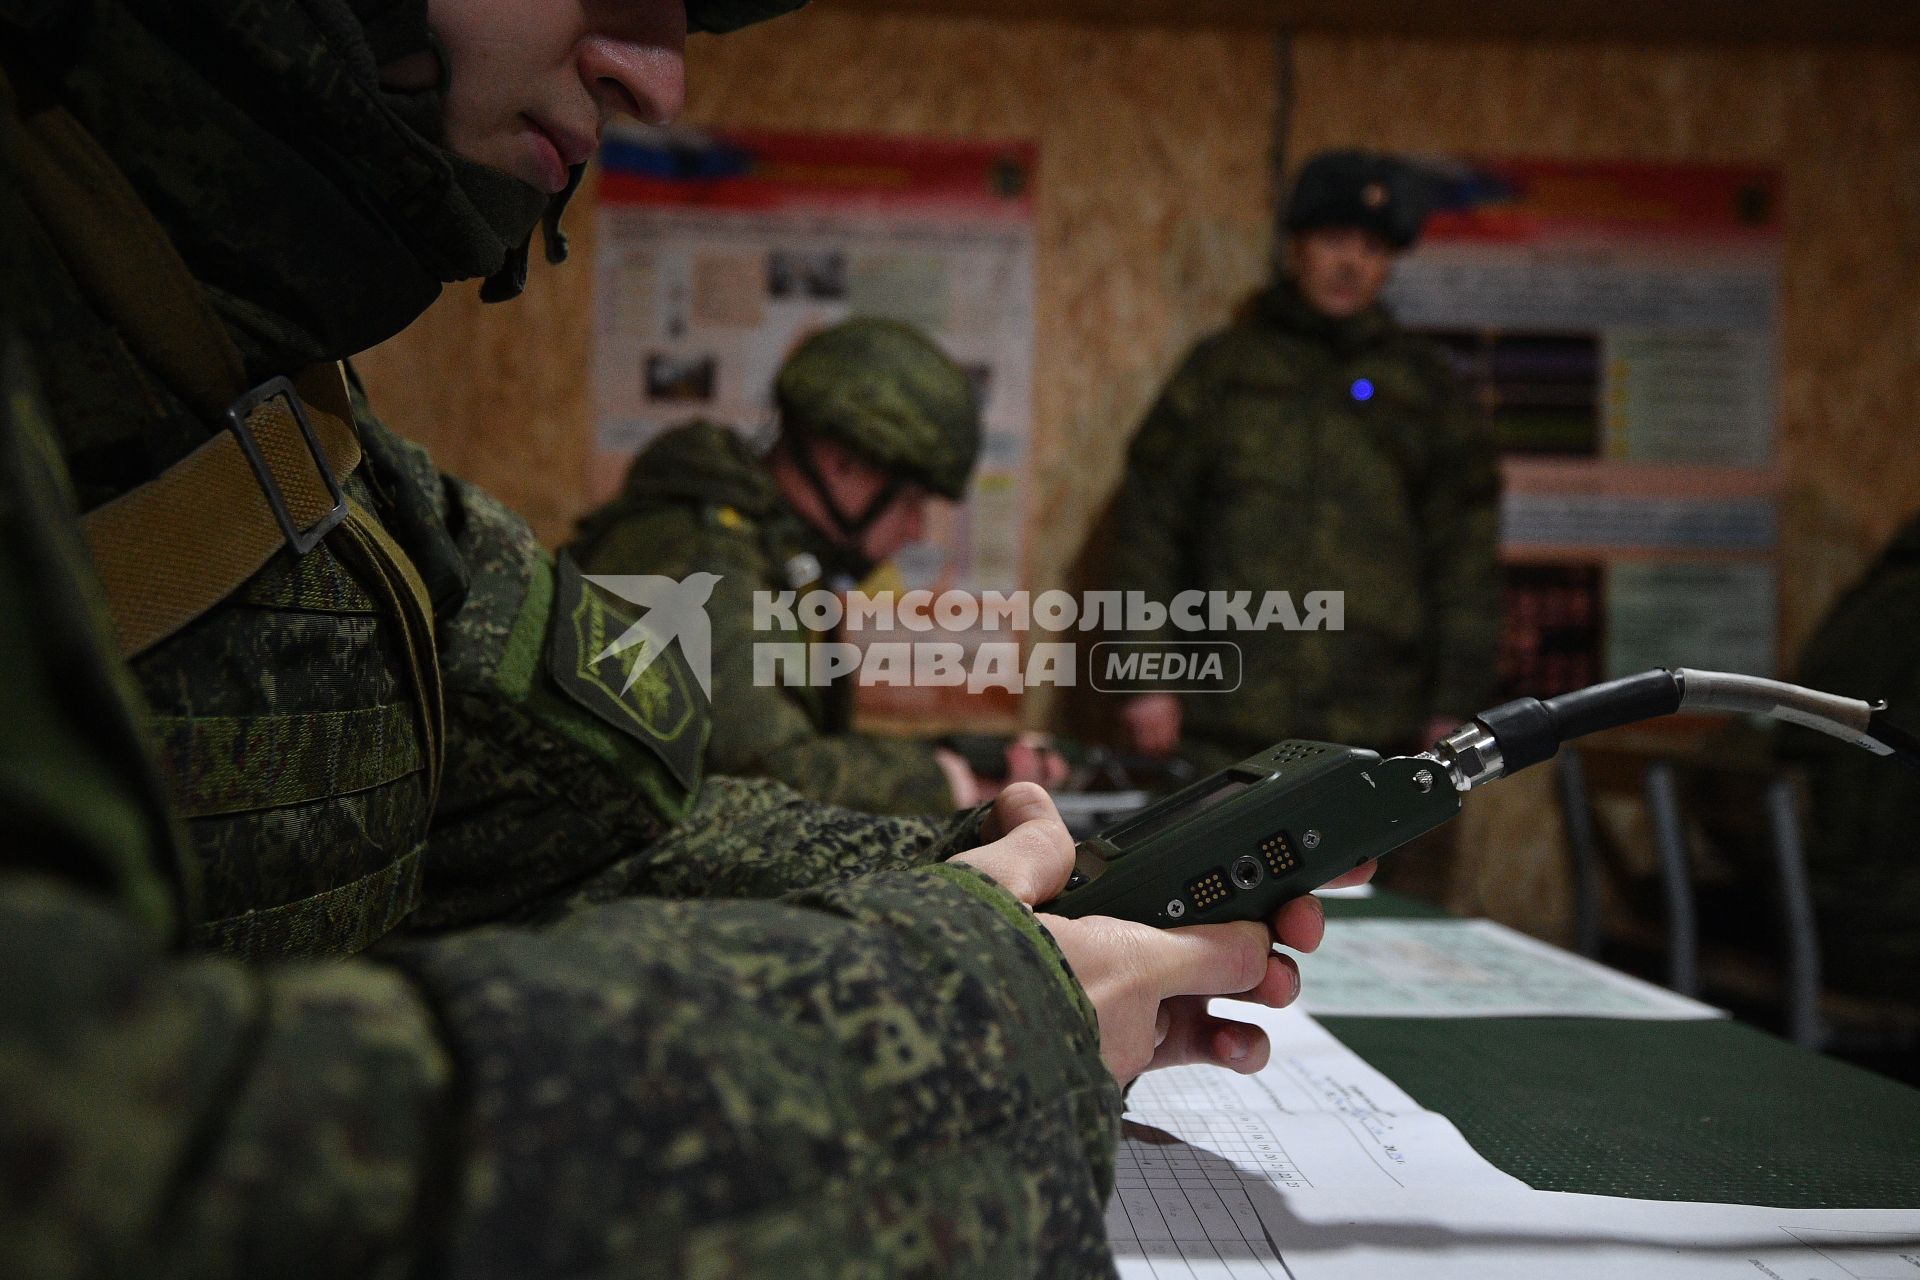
(270, 517)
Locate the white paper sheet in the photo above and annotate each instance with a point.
(1527, 1235)
(1470, 969)
(1203, 1146)
(1320, 1168)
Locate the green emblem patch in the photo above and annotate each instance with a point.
(663, 708)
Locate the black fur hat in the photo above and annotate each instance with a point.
(1366, 189)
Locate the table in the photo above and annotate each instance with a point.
(1705, 1111)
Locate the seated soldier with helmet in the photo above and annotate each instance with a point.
(356, 916)
(875, 422)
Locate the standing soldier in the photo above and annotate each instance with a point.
(1319, 447)
(875, 422)
(356, 918)
(1864, 878)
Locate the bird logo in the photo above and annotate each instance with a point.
(676, 609)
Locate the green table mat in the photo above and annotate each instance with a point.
(1711, 1111)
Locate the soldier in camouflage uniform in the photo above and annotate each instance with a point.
(360, 920)
(1316, 446)
(1866, 883)
(875, 421)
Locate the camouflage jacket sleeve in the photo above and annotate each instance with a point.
(888, 1076)
(1164, 484)
(1459, 502)
(885, 1077)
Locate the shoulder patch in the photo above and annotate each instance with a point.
(663, 706)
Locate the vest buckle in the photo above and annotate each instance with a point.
(239, 415)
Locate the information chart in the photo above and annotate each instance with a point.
(1618, 325)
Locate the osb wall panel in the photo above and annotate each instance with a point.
(1153, 225)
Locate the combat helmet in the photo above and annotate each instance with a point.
(885, 391)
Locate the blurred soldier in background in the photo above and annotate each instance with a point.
(1318, 447)
(359, 916)
(1866, 815)
(875, 422)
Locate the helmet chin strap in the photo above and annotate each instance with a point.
(510, 281)
(850, 529)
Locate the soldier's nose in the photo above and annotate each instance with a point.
(645, 77)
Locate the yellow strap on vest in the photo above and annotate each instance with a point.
(178, 545)
(363, 538)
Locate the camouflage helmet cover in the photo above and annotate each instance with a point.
(884, 390)
(720, 16)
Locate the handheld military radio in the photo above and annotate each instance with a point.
(1237, 844)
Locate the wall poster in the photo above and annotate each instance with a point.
(1620, 324)
(718, 253)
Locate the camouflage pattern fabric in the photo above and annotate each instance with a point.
(749, 838)
(1259, 469)
(628, 1083)
(885, 1076)
(1866, 884)
(699, 499)
(886, 391)
(834, 1084)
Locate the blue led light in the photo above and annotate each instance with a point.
(1362, 389)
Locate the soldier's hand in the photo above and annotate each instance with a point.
(1032, 758)
(966, 786)
(1150, 987)
(1153, 723)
